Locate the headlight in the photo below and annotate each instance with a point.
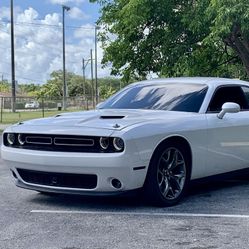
(118, 143)
(11, 138)
(21, 139)
(104, 142)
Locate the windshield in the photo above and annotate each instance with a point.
(170, 97)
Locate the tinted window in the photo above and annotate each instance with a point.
(246, 93)
(227, 94)
(171, 97)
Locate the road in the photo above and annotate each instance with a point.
(214, 215)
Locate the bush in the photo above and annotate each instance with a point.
(20, 105)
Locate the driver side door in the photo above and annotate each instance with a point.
(228, 138)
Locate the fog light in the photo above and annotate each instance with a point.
(104, 142)
(11, 138)
(118, 143)
(116, 183)
(21, 139)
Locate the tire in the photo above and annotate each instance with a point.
(168, 174)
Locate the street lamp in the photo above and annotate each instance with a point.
(64, 8)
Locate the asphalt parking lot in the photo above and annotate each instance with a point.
(214, 215)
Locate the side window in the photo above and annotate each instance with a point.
(228, 94)
(245, 89)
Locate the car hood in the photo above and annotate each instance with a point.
(114, 119)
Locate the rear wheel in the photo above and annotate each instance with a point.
(168, 174)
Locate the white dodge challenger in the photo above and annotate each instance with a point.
(157, 135)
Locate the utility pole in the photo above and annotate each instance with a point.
(64, 8)
(84, 77)
(84, 65)
(13, 79)
(96, 66)
(91, 51)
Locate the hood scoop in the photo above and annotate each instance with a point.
(111, 117)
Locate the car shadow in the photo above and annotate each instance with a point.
(200, 195)
(65, 201)
(204, 186)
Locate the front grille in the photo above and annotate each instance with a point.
(60, 143)
(38, 140)
(64, 143)
(73, 141)
(82, 181)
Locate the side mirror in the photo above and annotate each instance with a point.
(228, 107)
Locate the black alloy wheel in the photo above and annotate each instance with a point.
(168, 174)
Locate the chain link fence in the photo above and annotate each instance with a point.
(30, 107)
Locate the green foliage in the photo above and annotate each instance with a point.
(53, 89)
(4, 87)
(173, 38)
(28, 89)
(227, 13)
(108, 86)
(106, 91)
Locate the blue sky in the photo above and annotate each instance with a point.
(45, 7)
(38, 38)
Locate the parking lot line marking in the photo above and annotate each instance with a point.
(143, 214)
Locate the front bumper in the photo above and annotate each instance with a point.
(45, 189)
(127, 167)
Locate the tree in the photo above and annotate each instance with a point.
(106, 91)
(28, 89)
(172, 38)
(230, 20)
(53, 88)
(5, 87)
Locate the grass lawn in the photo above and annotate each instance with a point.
(10, 118)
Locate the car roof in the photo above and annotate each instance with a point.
(209, 81)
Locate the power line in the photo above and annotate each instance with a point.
(5, 31)
(4, 48)
(48, 25)
(42, 44)
(25, 39)
(25, 78)
(33, 72)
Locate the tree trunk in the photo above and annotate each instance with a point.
(240, 44)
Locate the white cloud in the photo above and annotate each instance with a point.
(51, 19)
(28, 15)
(35, 45)
(77, 2)
(85, 31)
(4, 51)
(38, 43)
(77, 13)
(4, 13)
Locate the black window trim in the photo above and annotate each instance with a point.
(229, 85)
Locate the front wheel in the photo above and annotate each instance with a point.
(168, 175)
